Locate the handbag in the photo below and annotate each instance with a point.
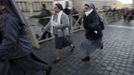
(66, 39)
(101, 23)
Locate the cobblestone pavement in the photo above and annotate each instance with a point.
(117, 57)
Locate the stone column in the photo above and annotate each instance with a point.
(133, 3)
(30, 7)
(78, 5)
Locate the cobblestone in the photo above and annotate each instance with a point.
(116, 58)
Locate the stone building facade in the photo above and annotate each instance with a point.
(33, 5)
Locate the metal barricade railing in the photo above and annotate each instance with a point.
(109, 17)
(76, 24)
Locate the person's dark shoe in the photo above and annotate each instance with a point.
(56, 61)
(72, 48)
(101, 47)
(48, 71)
(87, 58)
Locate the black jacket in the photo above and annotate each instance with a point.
(91, 25)
(67, 11)
(15, 42)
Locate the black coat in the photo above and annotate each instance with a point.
(67, 11)
(91, 25)
(15, 40)
(42, 20)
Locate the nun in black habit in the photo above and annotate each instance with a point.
(16, 57)
(93, 32)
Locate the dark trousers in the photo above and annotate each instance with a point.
(44, 36)
(27, 65)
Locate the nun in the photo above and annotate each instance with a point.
(93, 32)
(16, 57)
(59, 26)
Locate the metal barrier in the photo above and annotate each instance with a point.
(76, 24)
(109, 17)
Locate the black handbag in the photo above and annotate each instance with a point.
(66, 39)
(101, 23)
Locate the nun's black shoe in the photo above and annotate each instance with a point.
(101, 47)
(72, 48)
(87, 58)
(48, 71)
(56, 61)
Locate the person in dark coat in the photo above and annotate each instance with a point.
(67, 10)
(93, 31)
(44, 13)
(16, 48)
(100, 19)
(44, 21)
(129, 15)
(125, 14)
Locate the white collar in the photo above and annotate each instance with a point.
(89, 12)
(58, 18)
(59, 12)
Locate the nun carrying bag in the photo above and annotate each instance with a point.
(66, 39)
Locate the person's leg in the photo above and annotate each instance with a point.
(124, 18)
(102, 46)
(44, 35)
(87, 57)
(49, 34)
(72, 47)
(58, 55)
(101, 43)
(41, 72)
(38, 73)
(15, 69)
(30, 65)
(85, 46)
(69, 43)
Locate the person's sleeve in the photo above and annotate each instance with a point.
(47, 27)
(41, 15)
(10, 37)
